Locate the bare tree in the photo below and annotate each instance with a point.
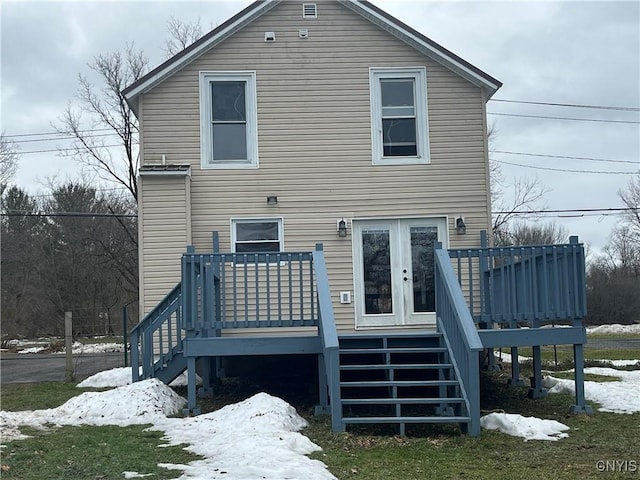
(181, 35)
(8, 159)
(631, 198)
(113, 160)
(520, 232)
(511, 197)
(614, 276)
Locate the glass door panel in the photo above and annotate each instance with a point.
(376, 259)
(422, 243)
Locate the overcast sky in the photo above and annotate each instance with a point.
(582, 53)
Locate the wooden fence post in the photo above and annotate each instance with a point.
(68, 345)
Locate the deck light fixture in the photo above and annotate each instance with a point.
(342, 228)
(461, 227)
(272, 200)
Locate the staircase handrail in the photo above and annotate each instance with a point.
(144, 331)
(454, 320)
(329, 336)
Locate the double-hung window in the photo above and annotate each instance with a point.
(257, 235)
(228, 120)
(399, 128)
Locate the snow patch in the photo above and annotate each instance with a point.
(617, 397)
(506, 357)
(119, 377)
(529, 428)
(256, 438)
(32, 350)
(615, 328)
(84, 349)
(136, 475)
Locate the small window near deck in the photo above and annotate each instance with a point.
(257, 236)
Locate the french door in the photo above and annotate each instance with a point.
(394, 271)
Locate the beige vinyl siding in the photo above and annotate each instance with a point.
(165, 234)
(314, 130)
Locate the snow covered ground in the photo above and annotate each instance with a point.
(254, 439)
(529, 428)
(259, 437)
(78, 348)
(615, 328)
(621, 396)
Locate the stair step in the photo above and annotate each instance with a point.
(400, 383)
(406, 419)
(403, 401)
(412, 335)
(399, 366)
(394, 350)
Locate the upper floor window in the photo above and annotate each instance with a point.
(399, 129)
(228, 120)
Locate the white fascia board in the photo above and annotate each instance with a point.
(422, 46)
(172, 68)
(165, 173)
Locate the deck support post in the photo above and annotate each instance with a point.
(323, 393)
(515, 380)
(578, 359)
(492, 366)
(206, 390)
(191, 388)
(537, 390)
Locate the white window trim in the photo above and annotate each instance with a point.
(235, 221)
(206, 128)
(419, 74)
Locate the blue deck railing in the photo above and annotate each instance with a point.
(157, 339)
(329, 337)
(460, 334)
(240, 291)
(248, 290)
(530, 285)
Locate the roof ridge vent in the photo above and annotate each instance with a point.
(309, 10)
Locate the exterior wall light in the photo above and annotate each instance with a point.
(272, 200)
(461, 227)
(342, 228)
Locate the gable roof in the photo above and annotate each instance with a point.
(363, 7)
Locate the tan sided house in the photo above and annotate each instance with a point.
(295, 124)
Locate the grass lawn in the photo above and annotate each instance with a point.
(564, 354)
(369, 453)
(82, 453)
(441, 453)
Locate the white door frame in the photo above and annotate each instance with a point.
(400, 260)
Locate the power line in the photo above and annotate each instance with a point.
(100, 190)
(572, 210)
(58, 133)
(16, 213)
(65, 149)
(566, 156)
(563, 118)
(565, 169)
(573, 105)
(63, 138)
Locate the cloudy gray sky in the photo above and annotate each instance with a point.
(566, 52)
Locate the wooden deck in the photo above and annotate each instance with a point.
(281, 303)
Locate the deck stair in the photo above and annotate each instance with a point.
(399, 379)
